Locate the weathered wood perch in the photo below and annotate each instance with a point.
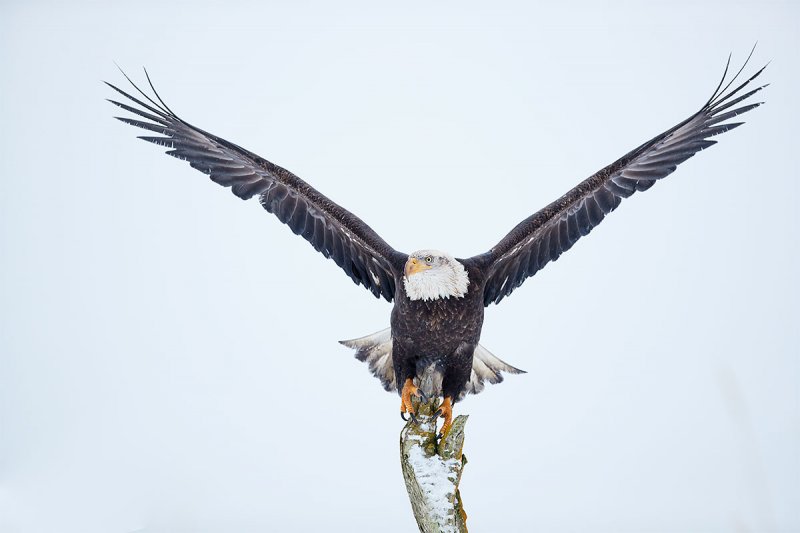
(433, 472)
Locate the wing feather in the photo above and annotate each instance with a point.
(333, 231)
(545, 235)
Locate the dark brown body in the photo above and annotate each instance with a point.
(443, 332)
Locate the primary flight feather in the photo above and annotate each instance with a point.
(438, 300)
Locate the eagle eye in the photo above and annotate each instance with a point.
(428, 259)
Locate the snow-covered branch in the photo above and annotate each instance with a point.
(432, 472)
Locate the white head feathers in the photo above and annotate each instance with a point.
(431, 274)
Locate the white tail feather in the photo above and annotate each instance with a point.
(487, 367)
(376, 351)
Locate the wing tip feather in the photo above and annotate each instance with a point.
(693, 135)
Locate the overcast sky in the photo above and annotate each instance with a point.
(168, 354)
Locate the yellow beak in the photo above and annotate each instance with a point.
(414, 266)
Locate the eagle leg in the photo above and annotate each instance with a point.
(445, 411)
(409, 390)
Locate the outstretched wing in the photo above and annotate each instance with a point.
(544, 236)
(331, 229)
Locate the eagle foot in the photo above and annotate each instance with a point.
(406, 406)
(445, 411)
(411, 416)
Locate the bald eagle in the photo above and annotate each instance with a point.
(431, 347)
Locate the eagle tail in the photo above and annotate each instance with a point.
(376, 351)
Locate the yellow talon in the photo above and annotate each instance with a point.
(447, 413)
(409, 390)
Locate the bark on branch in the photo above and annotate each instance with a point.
(432, 471)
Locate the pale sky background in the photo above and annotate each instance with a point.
(168, 354)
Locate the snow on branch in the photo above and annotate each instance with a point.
(432, 471)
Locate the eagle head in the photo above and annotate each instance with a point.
(431, 274)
